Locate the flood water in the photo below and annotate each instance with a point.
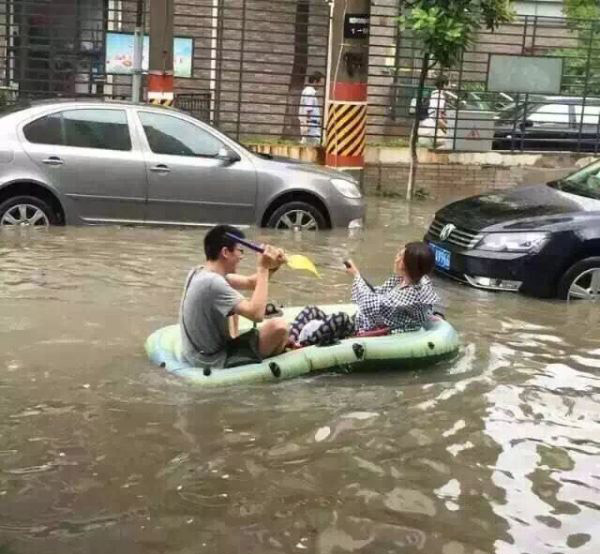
(494, 452)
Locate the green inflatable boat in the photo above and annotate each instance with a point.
(437, 341)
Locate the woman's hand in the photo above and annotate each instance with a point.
(351, 269)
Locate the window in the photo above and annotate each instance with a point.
(105, 129)
(585, 182)
(45, 130)
(550, 113)
(176, 137)
(591, 115)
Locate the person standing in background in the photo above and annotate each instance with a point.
(309, 112)
(437, 103)
(434, 128)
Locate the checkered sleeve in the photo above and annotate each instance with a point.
(388, 285)
(367, 300)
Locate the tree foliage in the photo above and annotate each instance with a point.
(446, 28)
(582, 62)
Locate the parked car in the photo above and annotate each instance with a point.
(470, 100)
(550, 123)
(92, 161)
(541, 240)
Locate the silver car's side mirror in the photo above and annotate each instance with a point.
(228, 156)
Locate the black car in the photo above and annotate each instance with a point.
(549, 123)
(542, 240)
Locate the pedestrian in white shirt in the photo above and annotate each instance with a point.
(309, 112)
(435, 124)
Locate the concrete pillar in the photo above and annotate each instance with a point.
(160, 69)
(348, 75)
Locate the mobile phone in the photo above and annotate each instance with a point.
(346, 263)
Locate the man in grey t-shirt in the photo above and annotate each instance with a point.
(211, 301)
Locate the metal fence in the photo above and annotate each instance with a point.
(243, 63)
(469, 116)
(255, 56)
(52, 48)
(195, 103)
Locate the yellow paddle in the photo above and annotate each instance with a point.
(294, 261)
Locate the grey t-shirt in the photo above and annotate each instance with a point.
(208, 300)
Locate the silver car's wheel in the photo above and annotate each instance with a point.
(297, 220)
(25, 215)
(297, 216)
(586, 286)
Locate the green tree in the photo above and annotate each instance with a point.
(581, 73)
(445, 28)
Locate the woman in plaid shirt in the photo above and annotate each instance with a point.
(403, 303)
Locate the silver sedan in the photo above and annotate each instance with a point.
(97, 162)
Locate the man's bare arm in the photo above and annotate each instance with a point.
(241, 282)
(245, 282)
(254, 309)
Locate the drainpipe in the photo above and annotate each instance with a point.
(138, 46)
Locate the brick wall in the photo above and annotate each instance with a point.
(439, 181)
(446, 181)
(445, 176)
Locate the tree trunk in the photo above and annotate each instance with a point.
(414, 135)
(291, 123)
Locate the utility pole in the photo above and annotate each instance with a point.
(347, 90)
(160, 73)
(138, 47)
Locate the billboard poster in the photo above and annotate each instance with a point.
(119, 54)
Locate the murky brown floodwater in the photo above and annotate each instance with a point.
(102, 452)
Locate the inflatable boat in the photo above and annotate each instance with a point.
(438, 340)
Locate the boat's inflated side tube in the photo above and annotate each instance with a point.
(438, 341)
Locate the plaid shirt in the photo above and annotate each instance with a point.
(395, 304)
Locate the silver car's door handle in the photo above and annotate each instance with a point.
(160, 168)
(53, 160)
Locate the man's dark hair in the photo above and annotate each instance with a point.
(441, 82)
(315, 77)
(418, 260)
(216, 239)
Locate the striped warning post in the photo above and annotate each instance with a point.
(346, 132)
(161, 101)
(160, 89)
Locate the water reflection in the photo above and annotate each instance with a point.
(548, 469)
(494, 452)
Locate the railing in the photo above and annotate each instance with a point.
(242, 64)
